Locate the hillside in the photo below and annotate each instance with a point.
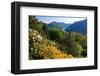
(80, 26)
(59, 25)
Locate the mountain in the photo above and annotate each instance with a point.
(80, 26)
(59, 25)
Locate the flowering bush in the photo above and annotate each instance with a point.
(35, 35)
(42, 48)
(51, 52)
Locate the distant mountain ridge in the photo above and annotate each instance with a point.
(59, 25)
(79, 26)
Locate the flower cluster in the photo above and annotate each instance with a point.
(36, 37)
(43, 48)
(51, 52)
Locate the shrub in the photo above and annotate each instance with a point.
(56, 34)
(51, 52)
(42, 51)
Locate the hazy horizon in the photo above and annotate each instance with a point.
(67, 20)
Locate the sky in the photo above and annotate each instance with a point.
(49, 19)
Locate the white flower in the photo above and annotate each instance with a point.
(35, 31)
(34, 34)
(38, 36)
(30, 30)
(31, 48)
(33, 38)
(34, 43)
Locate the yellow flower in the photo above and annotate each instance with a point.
(53, 52)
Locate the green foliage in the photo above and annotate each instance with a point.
(69, 41)
(56, 34)
(32, 21)
(84, 53)
(70, 45)
(45, 29)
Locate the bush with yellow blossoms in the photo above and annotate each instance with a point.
(51, 52)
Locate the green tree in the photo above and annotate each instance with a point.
(32, 21)
(56, 34)
(73, 47)
(45, 29)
